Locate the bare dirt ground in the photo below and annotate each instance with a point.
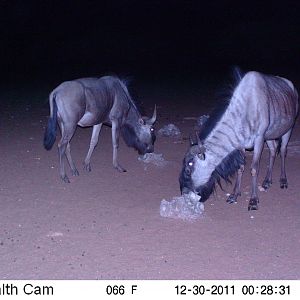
(106, 225)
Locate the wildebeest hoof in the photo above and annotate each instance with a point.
(267, 184)
(253, 204)
(87, 167)
(75, 172)
(283, 183)
(65, 179)
(120, 169)
(232, 198)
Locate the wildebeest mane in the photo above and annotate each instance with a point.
(130, 138)
(111, 86)
(122, 83)
(128, 134)
(223, 100)
(136, 103)
(225, 170)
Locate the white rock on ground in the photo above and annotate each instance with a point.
(186, 207)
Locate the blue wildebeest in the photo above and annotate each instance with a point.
(261, 108)
(93, 102)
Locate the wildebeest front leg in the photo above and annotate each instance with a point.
(237, 187)
(115, 129)
(284, 141)
(258, 147)
(93, 143)
(268, 179)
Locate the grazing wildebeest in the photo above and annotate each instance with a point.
(93, 102)
(261, 108)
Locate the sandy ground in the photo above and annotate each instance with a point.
(106, 225)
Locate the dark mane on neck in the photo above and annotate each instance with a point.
(131, 139)
(125, 93)
(213, 119)
(225, 170)
(223, 100)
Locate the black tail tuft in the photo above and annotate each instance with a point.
(279, 141)
(50, 132)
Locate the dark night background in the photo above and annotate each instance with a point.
(53, 41)
(104, 224)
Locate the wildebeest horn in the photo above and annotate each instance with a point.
(153, 119)
(192, 142)
(198, 138)
(198, 143)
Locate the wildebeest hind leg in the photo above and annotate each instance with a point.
(284, 141)
(62, 145)
(67, 134)
(70, 160)
(93, 143)
(268, 179)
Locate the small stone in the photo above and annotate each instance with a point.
(169, 130)
(153, 158)
(186, 207)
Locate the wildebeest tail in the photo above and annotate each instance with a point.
(279, 141)
(50, 132)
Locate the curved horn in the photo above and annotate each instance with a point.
(198, 138)
(153, 119)
(192, 141)
(200, 143)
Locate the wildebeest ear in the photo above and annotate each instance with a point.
(201, 155)
(192, 141)
(141, 121)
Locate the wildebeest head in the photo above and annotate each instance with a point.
(201, 171)
(140, 135)
(196, 173)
